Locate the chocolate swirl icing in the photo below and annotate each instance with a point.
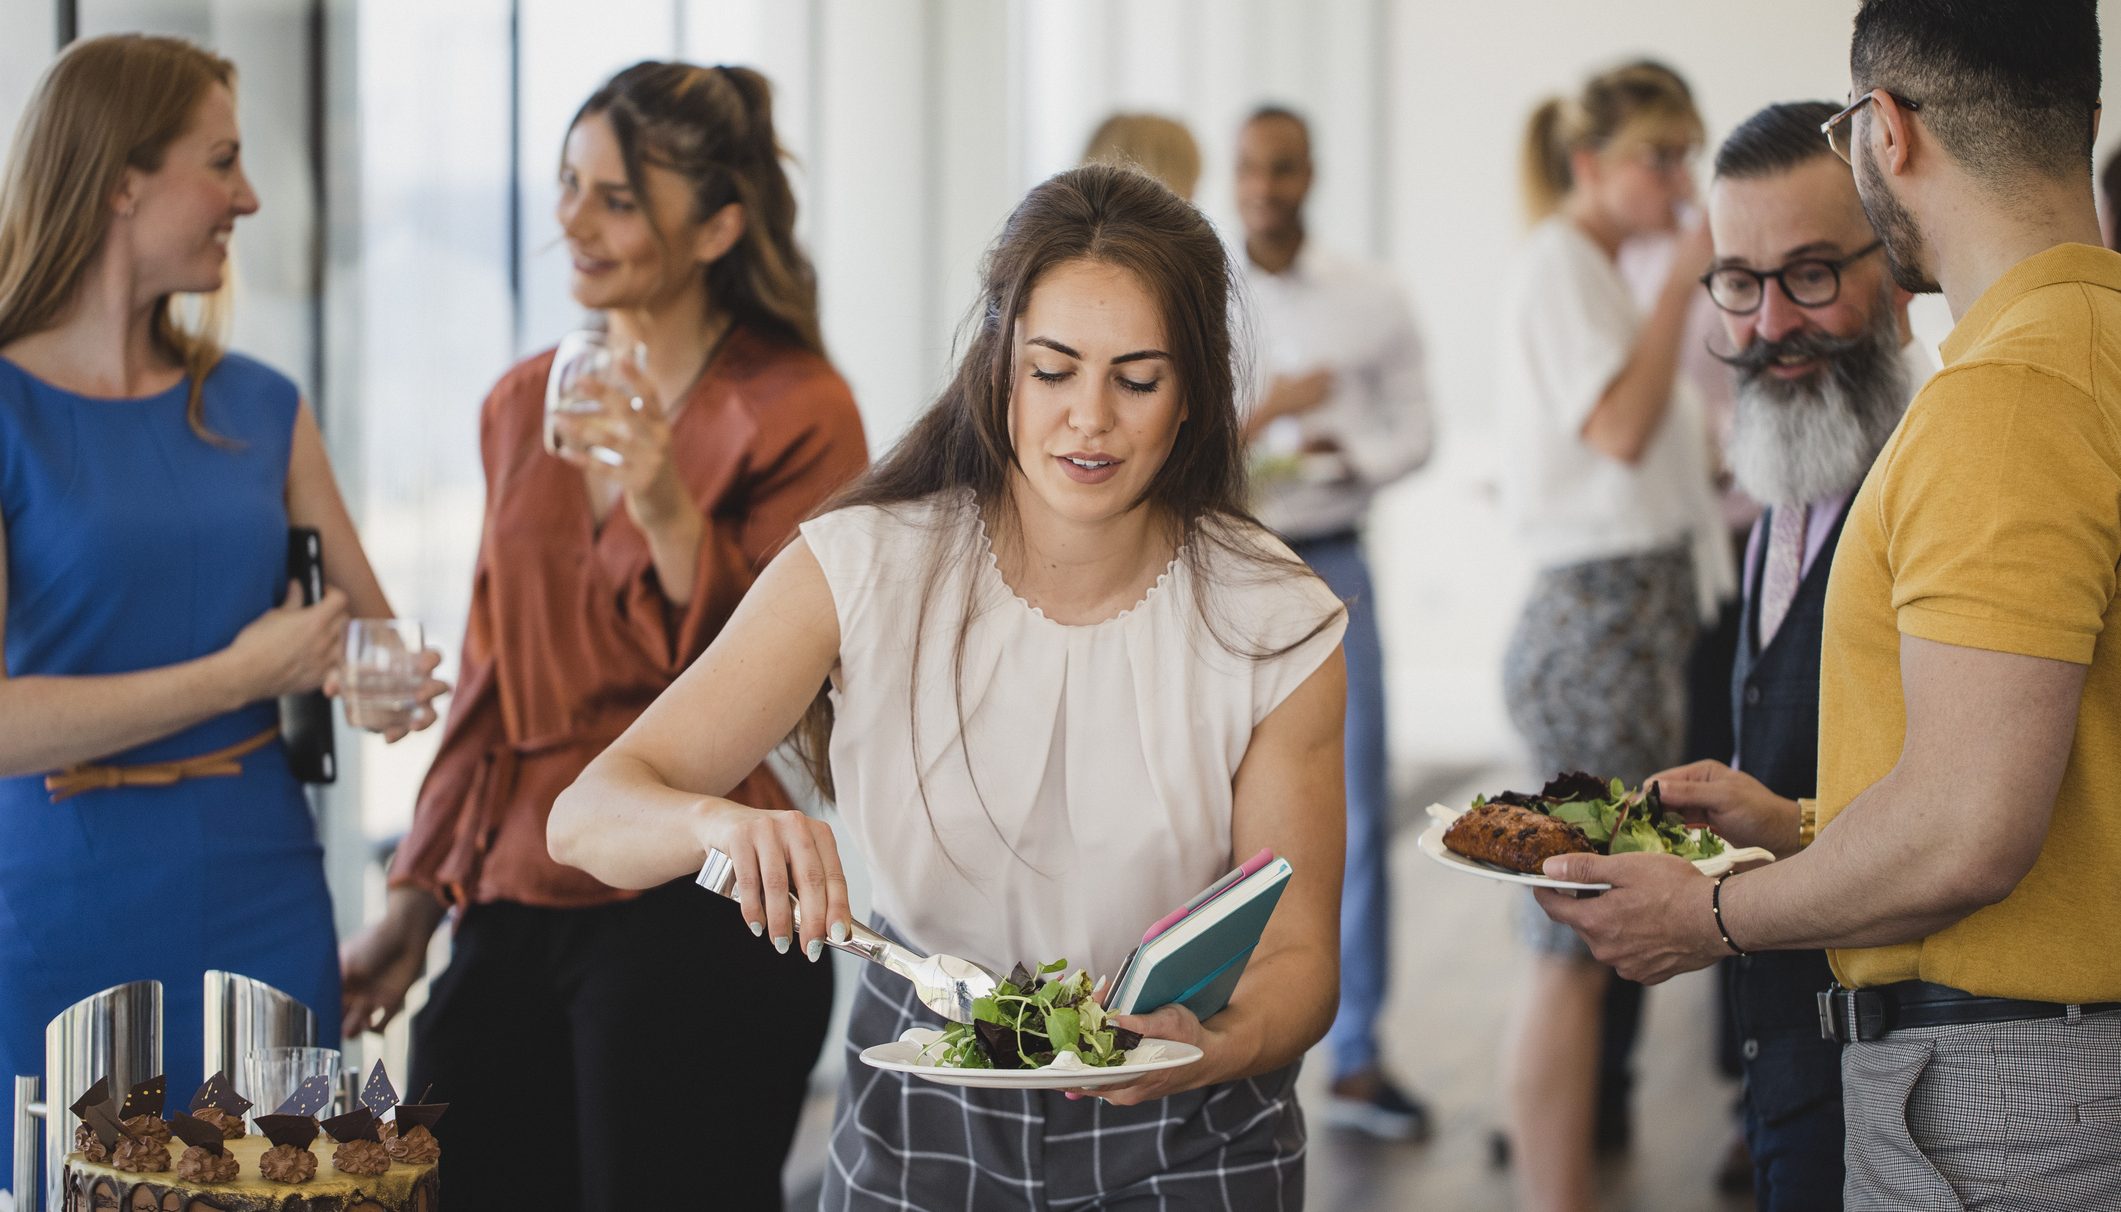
(199, 1166)
(140, 1155)
(150, 1127)
(231, 1125)
(89, 1145)
(287, 1164)
(361, 1157)
(418, 1147)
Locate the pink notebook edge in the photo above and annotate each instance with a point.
(1244, 871)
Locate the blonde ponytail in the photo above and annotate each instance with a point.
(1610, 102)
(1544, 171)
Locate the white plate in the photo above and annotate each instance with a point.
(904, 1056)
(1440, 819)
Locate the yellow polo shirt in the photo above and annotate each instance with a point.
(1992, 520)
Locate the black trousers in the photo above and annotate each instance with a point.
(590, 1056)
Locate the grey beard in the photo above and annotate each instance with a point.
(1795, 443)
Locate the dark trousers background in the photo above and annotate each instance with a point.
(592, 1057)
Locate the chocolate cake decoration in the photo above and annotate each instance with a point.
(379, 1096)
(312, 1096)
(145, 1098)
(219, 1092)
(297, 1131)
(197, 1132)
(98, 1093)
(357, 1124)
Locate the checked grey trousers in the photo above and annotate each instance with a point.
(1988, 1117)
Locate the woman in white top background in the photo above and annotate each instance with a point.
(1068, 682)
(1608, 481)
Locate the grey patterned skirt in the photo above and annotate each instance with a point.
(1595, 678)
(902, 1143)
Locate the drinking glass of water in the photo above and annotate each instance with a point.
(380, 679)
(271, 1074)
(585, 365)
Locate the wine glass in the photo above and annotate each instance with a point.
(583, 367)
(380, 679)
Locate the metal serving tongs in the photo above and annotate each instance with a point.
(944, 983)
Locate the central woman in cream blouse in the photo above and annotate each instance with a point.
(1057, 680)
(1100, 748)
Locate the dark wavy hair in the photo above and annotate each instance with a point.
(714, 127)
(1122, 218)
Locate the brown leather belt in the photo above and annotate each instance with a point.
(221, 763)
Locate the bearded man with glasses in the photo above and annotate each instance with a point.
(1958, 862)
(1824, 367)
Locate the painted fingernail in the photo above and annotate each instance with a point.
(814, 948)
(838, 932)
(780, 943)
(758, 929)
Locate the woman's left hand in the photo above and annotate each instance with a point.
(631, 427)
(1173, 1022)
(423, 707)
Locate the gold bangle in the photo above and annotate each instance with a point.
(1807, 821)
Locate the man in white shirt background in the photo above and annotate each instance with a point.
(1343, 412)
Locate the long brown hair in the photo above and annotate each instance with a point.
(1609, 103)
(106, 105)
(961, 443)
(714, 127)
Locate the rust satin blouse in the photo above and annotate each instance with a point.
(570, 637)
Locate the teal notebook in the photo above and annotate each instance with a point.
(1195, 956)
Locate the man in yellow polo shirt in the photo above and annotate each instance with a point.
(1963, 859)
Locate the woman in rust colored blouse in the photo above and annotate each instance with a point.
(588, 1039)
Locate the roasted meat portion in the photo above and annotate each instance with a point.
(1514, 837)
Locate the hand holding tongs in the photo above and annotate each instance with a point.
(944, 983)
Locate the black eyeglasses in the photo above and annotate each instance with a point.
(1807, 282)
(1840, 129)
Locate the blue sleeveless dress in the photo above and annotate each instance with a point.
(131, 544)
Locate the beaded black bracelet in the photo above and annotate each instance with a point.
(1716, 908)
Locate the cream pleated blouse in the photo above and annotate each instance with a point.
(1088, 791)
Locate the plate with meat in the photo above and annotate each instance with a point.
(1509, 836)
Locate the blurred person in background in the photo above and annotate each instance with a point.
(1344, 414)
(598, 582)
(1159, 146)
(148, 478)
(1608, 480)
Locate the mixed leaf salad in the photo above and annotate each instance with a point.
(1616, 820)
(1033, 1018)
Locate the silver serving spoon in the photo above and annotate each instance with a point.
(944, 983)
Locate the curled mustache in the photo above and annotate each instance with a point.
(1756, 357)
